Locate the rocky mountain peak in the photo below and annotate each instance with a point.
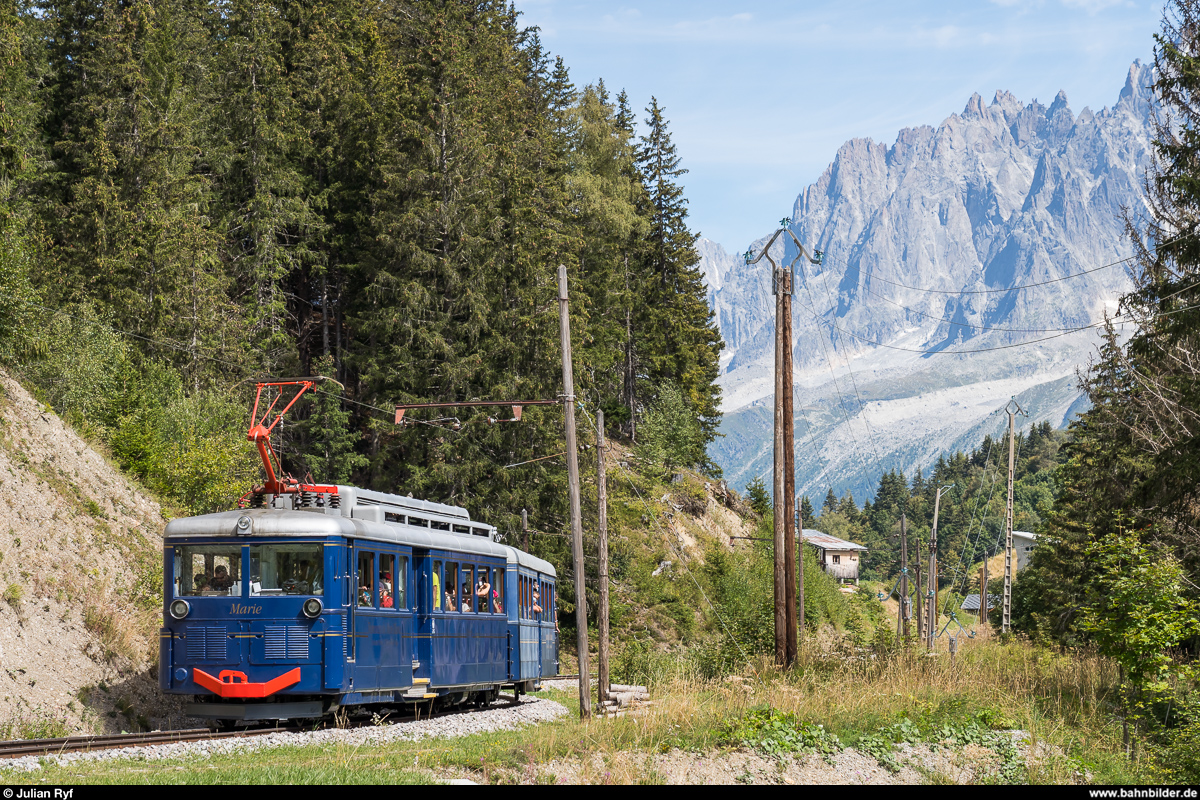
(921, 240)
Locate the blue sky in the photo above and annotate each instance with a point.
(761, 94)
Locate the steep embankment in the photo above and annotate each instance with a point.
(81, 577)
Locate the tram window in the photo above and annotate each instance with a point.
(387, 568)
(437, 586)
(468, 588)
(287, 569)
(366, 584)
(212, 570)
(480, 531)
(400, 582)
(498, 591)
(451, 587)
(418, 522)
(462, 529)
(439, 526)
(483, 591)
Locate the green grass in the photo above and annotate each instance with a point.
(830, 701)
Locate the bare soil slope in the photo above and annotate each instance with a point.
(80, 577)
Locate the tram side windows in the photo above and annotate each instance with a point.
(483, 591)
(437, 586)
(210, 570)
(366, 586)
(451, 586)
(468, 588)
(387, 569)
(287, 569)
(400, 582)
(498, 591)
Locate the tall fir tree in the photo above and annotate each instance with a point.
(676, 337)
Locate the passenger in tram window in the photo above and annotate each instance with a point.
(451, 587)
(201, 583)
(482, 590)
(537, 609)
(221, 579)
(497, 592)
(365, 593)
(385, 599)
(437, 586)
(468, 583)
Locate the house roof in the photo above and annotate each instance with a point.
(971, 602)
(826, 542)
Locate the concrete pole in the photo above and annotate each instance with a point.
(602, 614)
(564, 316)
(902, 622)
(983, 609)
(1008, 525)
(931, 576)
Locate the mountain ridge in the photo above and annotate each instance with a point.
(922, 240)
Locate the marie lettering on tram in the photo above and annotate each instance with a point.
(316, 598)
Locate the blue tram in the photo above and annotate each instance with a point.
(346, 598)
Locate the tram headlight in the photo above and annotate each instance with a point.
(312, 608)
(179, 608)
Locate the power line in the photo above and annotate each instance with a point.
(853, 382)
(1021, 286)
(980, 328)
(667, 539)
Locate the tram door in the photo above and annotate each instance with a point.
(383, 618)
(425, 581)
(366, 651)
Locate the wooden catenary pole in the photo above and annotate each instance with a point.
(780, 483)
(791, 645)
(602, 615)
(564, 316)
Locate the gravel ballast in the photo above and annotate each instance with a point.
(500, 717)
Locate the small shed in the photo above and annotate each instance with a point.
(838, 557)
(971, 602)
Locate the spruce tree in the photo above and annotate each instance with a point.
(676, 339)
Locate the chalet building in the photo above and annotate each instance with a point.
(838, 557)
(1023, 543)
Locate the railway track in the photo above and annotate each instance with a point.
(75, 744)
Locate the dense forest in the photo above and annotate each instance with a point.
(197, 195)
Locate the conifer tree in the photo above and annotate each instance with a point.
(676, 338)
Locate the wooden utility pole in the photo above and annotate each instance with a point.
(791, 621)
(779, 482)
(602, 614)
(525, 527)
(564, 317)
(788, 603)
(1006, 625)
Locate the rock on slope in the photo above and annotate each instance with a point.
(897, 332)
(80, 573)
